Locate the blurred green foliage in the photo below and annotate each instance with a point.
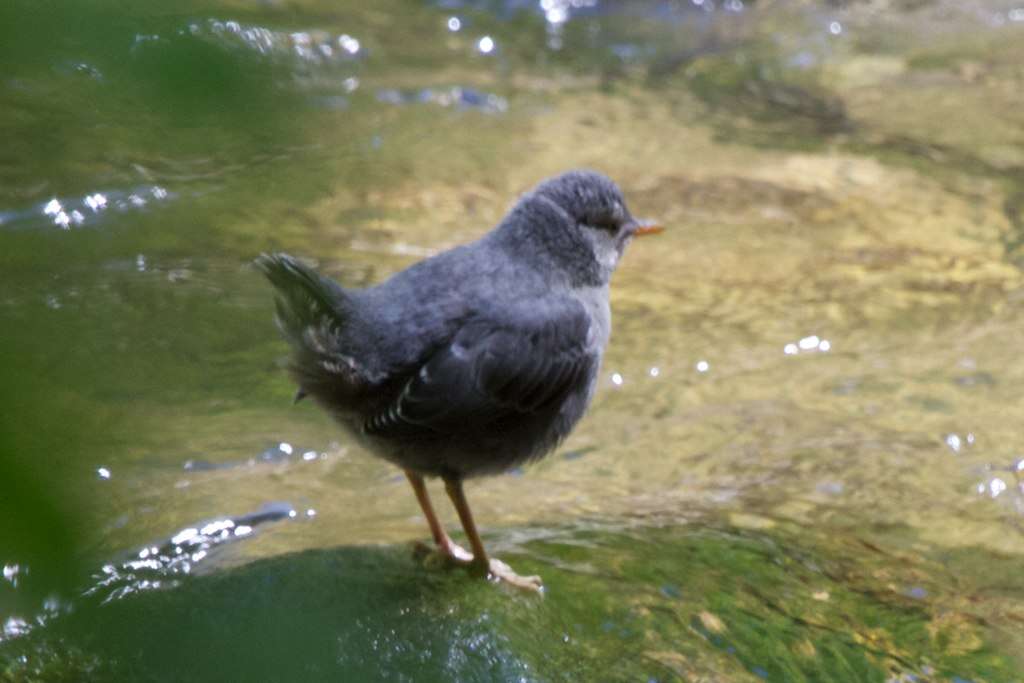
(40, 430)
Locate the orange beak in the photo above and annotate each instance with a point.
(645, 228)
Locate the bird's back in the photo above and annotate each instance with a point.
(422, 306)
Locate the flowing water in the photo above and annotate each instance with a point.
(805, 460)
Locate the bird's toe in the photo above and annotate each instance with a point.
(442, 556)
(499, 571)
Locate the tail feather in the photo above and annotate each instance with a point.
(312, 315)
(304, 298)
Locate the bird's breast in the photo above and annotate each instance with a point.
(595, 301)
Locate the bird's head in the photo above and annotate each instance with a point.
(580, 221)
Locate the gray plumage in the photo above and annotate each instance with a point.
(475, 360)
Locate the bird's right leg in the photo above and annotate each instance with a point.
(489, 567)
(450, 551)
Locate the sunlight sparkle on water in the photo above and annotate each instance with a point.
(11, 573)
(348, 43)
(454, 24)
(485, 45)
(218, 526)
(185, 535)
(617, 379)
(809, 344)
(95, 202)
(957, 443)
(178, 554)
(555, 11)
(71, 211)
(15, 626)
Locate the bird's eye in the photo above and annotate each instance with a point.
(607, 223)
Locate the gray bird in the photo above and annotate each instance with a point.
(473, 361)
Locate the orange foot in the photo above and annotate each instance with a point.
(450, 554)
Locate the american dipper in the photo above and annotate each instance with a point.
(475, 360)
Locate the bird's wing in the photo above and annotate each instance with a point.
(491, 370)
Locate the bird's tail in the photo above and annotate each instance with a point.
(312, 314)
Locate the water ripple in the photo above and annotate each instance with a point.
(67, 213)
(313, 47)
(152, 567)
(156, 566)
(456, 97)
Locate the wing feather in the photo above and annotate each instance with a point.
(490, 371)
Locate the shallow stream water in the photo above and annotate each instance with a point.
(805, 459)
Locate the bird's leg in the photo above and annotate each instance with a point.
(449, 550)
(481, 564)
